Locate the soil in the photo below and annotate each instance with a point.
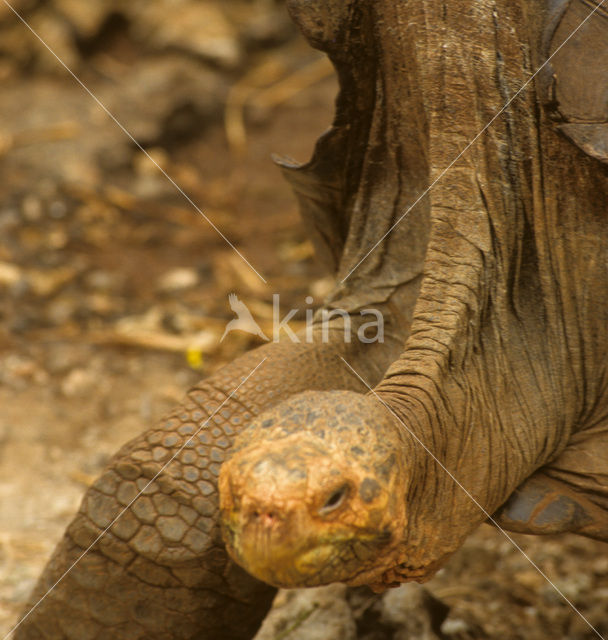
(114, 290)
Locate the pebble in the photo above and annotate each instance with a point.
(62, 309)
(31, 208)
(48, 282)
(10, 274)
(18, 371)
(78, 383)
(9, 219)
(178, 279)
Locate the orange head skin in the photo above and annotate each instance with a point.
(315, 493)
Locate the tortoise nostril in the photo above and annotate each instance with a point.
(265, 517)
(335, 499)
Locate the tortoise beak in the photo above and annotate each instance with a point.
(264, 532)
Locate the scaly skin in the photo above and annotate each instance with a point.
(161, 572)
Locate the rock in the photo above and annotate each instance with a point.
(58, 209)
(9, 219)
(163, 101)
(414, 613)
(327, 613)
(84, 18)
(455, 627)
(104, 281)
(10, 274)
(31, 208)
(321, 613)
(79, 382)
(63, 309)
(48, 282)
(178, 279)
(18, 5)
(149, 321)
(19, 372)
(267, 28)
(200, 28)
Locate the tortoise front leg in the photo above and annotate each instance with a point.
(569, 495)
(160, 571)
(543, 506)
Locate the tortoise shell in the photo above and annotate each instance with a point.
(575, 81)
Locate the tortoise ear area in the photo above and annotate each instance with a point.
(384, 469)
(369, 490)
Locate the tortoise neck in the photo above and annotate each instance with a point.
(471, 388)
(461, 464)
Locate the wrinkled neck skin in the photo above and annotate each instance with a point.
(505, 358)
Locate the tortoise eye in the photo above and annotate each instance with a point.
(335, 499)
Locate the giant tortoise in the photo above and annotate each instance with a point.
(462, 191)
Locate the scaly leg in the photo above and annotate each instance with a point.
(570, 495)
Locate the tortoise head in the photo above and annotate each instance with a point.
(314, 492)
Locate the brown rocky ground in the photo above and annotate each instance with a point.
(113, 289)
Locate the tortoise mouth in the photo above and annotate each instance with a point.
(294, 562)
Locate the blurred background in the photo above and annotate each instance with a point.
(114, 288)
